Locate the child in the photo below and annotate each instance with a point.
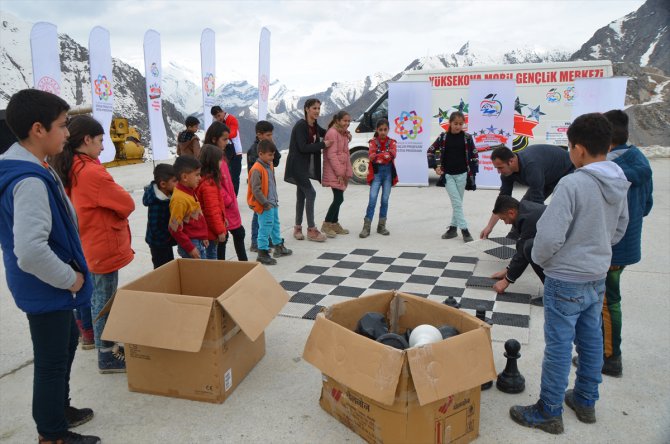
(628, 251)
(187, 223)
(262, 198)
(264, 131)
(103, 208)
(209, 195)
(45, 267)
(157, 199)
(586, 216)
(458, 160)
(233, 152)
(381, 174)
(336, 170)
(187, 141)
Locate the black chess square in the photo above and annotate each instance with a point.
(503, 240)
(419, 279)
(381, 260)
(439, 290)
(400, 269)
(293, 285)
(433, 264)
(501, 252)
(343, 290)
(311, 314)
(464, 259)
(364, 252)
(475, 304)
(520, 298)
(412, 256)
(313, 269)
(332, 256)
(480, 282)
(514, 320)
(458, 274)
(386, 285)
(306, 298)
(329, 280)
(366, 274)
(348, 264)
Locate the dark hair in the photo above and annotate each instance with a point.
(456, 114)
(215, 131)
(79, 127)
(503, 153)
(210, 156)
(216, 109)
(191, 120)
(308, 104)
(263, 126)
(381, 122)
(163, 172)
(338, 116)
(266, 146)
(505, 203)
(592, 131)
(30, 106)
(184, 165)
(619, 121)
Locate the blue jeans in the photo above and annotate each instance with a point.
(210, 250)
(197, 244)
(104, 287)
(455, 185)
(572, 313)
(383, 179)
(254, 230)
(268, 228)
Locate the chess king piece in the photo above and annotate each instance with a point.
(510, 380)
(452, 302)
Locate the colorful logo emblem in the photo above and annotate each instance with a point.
(264, 88)
(208, 84)
(154, 70)
(408, 125)
(490, 107)
(48, 84)
(553, 96)
(154, 91)
(569, 93)
(103, 87)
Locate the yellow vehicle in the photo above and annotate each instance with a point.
(127, 143)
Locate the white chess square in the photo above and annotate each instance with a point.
(295, 309)
(512, 308)
(460, 266)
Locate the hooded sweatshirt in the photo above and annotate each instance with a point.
(588, 213)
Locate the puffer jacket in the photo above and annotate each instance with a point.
(336, 162)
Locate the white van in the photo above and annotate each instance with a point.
(543, 108)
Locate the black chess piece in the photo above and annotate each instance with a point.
(447, 331)
(480, 313)
(452, 302)
(487, 385)
(394, 340)
(510, 380)
(372, 325)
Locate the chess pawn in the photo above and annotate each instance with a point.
(510, 380)
(480, 313)
(452, 302)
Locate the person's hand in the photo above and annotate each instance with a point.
(328, 143)
(500, 286)
(438, 171)
(485, 232)
(195, 254)
(205, 243)
(78, 282)
(222, 237)
(499, 275)
(267, 206)
(340, 180)
(349, 135)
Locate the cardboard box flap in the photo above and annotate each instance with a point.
(254, 301)
(169, 321)
(362, 364)
(451, 366)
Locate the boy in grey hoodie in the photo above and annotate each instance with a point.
(586, 216)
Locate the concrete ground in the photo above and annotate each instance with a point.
(278, 401)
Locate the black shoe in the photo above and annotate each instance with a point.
(76, 417)
(612, 366)
(71, 438)
(451, 233)
(535, 417)
(264, 258)
(467, 237)
(281, 250)
(253, 248)
(586, 414)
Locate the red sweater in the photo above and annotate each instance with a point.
(186, 219)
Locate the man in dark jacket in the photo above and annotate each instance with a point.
(523, 216)
(540, 167)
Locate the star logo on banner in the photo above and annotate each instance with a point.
(482, 132)
(462, 107)
(518, 105)
(491, 129)
(501, 132)
(536, 113)
(441, 115)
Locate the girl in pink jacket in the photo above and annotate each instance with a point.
(336, 170)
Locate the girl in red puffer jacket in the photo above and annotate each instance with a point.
(209, 195)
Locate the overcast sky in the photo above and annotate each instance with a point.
(318, 42)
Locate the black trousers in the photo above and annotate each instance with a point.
(161, 255)
(55, 337)
(333, 213)
(238, 241)
(527, 248)
(235, 172)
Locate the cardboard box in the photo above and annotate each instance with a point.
(194, 328)
(427, 394)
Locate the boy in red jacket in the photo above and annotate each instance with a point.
(187, 223)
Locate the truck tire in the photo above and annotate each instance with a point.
(359, 165)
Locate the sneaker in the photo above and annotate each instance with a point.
(611, 366)
(467, 237)
(450, 233)
(297, 232)
(327, 229)
(76, 417)
(71, 438)
(585, 413)
(315, 235)
(113, 361)
(281, 250)
(253, 248)
(87, 339)
(535, 417)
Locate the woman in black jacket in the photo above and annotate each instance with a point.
(304, 163)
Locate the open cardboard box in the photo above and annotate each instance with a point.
(427, 394)
(194, 328)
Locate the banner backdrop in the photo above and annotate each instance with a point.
(409, 118)
(102, 96)
(599, 95)
(208, 67)
(491, 122)
(263, 73)
(46, 61)
(153, 75)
